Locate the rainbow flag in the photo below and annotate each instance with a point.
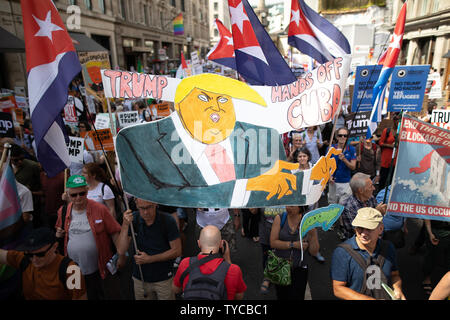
(178, 26)
(10, 210)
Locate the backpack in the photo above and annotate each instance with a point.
(377, 293)
(62, 271)
(117, 203)
(205, 286)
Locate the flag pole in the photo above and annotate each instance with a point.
(6, 148)
(124, 198)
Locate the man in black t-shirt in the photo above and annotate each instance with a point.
(158, 244)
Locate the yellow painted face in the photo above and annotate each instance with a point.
(208, 117)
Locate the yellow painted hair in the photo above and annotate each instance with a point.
(219, 85)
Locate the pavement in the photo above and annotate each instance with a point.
(249, 258)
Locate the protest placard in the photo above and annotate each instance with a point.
(70, 113)
(127, 118)
(359, 124)
(95, 139)
(20, 117)
(160, 110)
(102, 121)
(7, 103)
(6, 125)
(407, 88)
(441, 118)
(365, 79)
(434, 88)
(75, 146)
(421, 184)
(91, 64)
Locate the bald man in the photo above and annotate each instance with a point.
(216, 254)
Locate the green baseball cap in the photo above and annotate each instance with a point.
(76, 181)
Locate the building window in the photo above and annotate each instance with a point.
(122, 9)
(145, 13)
(216, 6)
(182, 6)
(173, 3)
(216, 33)
(161, 17)
(101, 5)
(73, 2)
(88, 4)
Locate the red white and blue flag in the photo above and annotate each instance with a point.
(223, 51)
(258, 60)
(10, 210)
(389, 60)
(52, 63)
(314, 35)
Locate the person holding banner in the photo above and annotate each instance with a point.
(387, 143)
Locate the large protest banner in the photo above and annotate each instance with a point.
(221, 146)
(91, 64)
(441, 118)
(311, 100)
(421, 183)
(407, 89)
(365, 79)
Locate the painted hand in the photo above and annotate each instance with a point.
(325, 167)
(274, 181)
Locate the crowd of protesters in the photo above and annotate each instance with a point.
(79, 218)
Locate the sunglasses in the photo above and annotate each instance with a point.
(42, 254)
(342, 135)
(74, 195)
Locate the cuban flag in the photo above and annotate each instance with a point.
(389, 61)
(10, 210)
(257, 58)
(223, 51)
(52, 63)
(314, 35)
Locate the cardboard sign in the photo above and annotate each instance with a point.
(70, 113)
(94, 140)
(420, 187)
(102, 121)
(20, 117)
(75, 146)
(359, 124)
(160, 110)
(407, 88)
(441, 118)
(365, 79)
(6, 125)
(127, 118)
(21, 102)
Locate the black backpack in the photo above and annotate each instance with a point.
(117, 202)
(377, 293)
(205, 287)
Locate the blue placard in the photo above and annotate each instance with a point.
(407, 88)
(365, 79)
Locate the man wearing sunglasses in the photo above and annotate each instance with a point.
(339, 187)
(46, 275)
(88, 229)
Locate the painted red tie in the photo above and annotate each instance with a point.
(220, 162)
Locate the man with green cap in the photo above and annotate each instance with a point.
(361, 264)
(88, 228)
